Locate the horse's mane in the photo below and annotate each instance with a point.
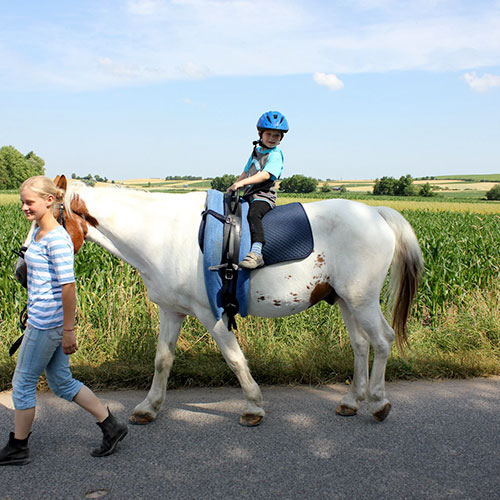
(76, 188)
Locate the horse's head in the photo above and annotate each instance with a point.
(71, 213)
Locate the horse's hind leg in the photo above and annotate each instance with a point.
(170, 324)
(360, 344)
(381, 335)
(227, 343)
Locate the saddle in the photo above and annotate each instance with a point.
(224, 239)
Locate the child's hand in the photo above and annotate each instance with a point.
(234, 187)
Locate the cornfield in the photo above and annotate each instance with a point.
(117, 324)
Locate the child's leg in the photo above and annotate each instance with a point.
(256, 212)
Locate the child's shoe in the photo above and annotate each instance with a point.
(252, 261)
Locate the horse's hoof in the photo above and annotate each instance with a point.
(140, 419)
(345, 411)
(382, 414)
(248, 420)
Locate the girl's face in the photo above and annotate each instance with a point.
(34, 206)
(271, 138)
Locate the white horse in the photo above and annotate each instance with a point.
(354, 246)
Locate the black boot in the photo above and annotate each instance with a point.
(113, 432)
(16, 452)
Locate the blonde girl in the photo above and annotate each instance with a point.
(50, 338)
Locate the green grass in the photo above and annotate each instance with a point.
(454, 329)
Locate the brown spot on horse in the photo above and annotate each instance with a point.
(323, 291)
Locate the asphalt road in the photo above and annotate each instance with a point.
(441, 441)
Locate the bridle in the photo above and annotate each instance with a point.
(61, 216)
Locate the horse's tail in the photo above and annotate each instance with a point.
(407, 267)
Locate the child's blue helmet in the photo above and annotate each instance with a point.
(272, 120)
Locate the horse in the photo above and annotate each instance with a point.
(354, 247)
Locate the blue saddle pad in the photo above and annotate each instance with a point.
(288, 237)
(288, 234)
(211, 237)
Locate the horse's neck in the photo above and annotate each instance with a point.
(139, 228)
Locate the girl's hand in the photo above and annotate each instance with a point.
(69, 344)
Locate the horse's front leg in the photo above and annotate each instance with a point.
(170, 324)
(253, 412)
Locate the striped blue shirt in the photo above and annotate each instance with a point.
(50, 265)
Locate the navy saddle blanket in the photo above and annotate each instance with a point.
(288, 237)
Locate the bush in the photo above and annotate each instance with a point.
(222, 183)
(494, 193)
(390, 186)
(298, 184)
(426, 190)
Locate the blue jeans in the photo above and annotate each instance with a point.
(42, 350)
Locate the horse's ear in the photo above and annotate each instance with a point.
(61, 182)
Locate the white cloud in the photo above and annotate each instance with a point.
(330, 81)
(482, 83)
(140, 41)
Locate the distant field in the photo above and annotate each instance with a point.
(471, 177)
(8, 198)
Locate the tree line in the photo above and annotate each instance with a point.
(15, 167)
(302, 184)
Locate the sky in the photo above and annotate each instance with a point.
(151, 88)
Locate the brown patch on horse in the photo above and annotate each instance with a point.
(77, 222)
(320, 260)
(77, 218)
(323, 291)
(79, 208)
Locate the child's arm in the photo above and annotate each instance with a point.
(243, 181)
(69, 344)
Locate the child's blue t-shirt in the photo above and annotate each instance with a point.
(50, 265)
(273, 162)
(267, 160)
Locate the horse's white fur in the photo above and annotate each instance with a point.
(354, 245)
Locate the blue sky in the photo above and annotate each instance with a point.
(150, 88)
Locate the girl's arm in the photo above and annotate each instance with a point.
(69, 344)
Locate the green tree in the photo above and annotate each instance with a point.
(36, 164)
(384, 186)
(325, 188)
(494, 193)
(390, 186)
(298, 184)
(15, 168)
(404, 186)
(222, 183)
(426, 190)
